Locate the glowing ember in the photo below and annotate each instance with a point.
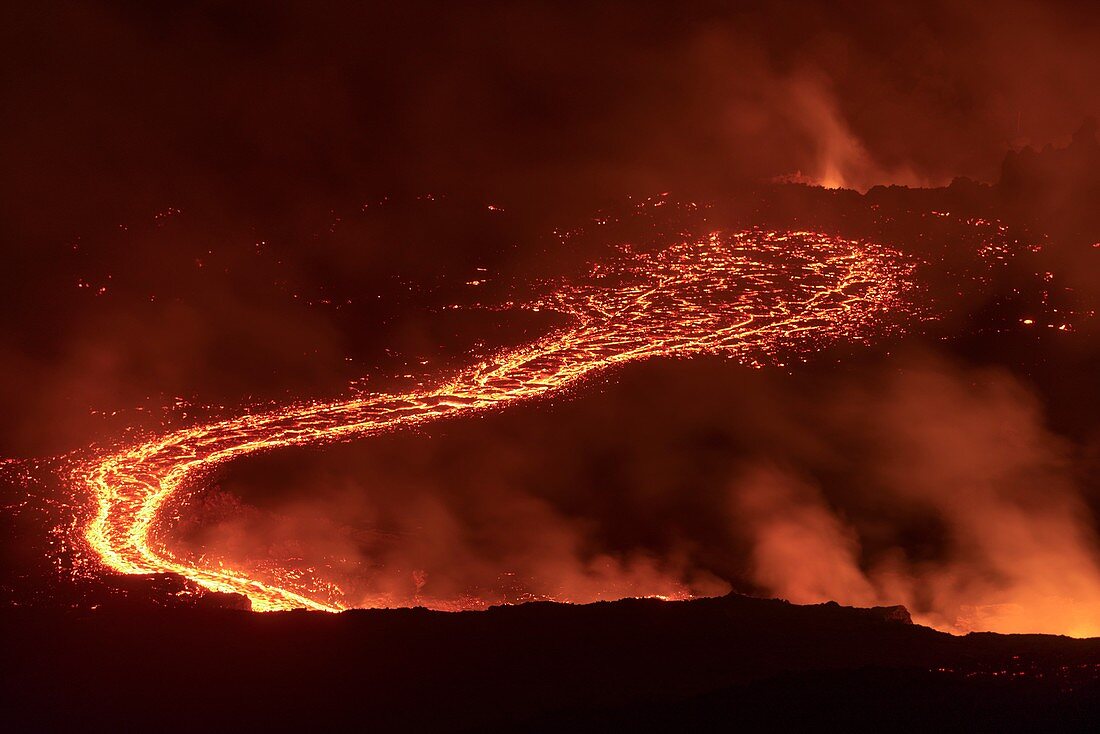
(755, 296)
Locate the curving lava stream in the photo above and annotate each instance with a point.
(753, 295)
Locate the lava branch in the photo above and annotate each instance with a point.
(752, 295)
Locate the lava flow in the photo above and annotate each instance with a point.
(755, 296)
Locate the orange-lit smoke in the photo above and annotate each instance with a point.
(406, 542)
(840, 159)
(1020, 554)
(801, 550)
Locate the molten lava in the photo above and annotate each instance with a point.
(753, 295)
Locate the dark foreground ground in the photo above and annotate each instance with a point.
(729, 663)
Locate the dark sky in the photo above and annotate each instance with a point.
(259, 109)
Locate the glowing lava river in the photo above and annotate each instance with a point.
(755, 296)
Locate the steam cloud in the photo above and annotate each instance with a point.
(1019, 550)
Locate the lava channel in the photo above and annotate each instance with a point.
(759, 297)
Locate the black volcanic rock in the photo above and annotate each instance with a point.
(637, 664)
(896, 613)
(1055, 190)
(1077, 165)
(165, 590)
(221, 600)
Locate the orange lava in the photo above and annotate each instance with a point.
(753, 295)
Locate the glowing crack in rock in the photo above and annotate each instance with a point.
(753, 295)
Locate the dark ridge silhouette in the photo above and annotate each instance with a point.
(1056, 189)
(633, 664)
